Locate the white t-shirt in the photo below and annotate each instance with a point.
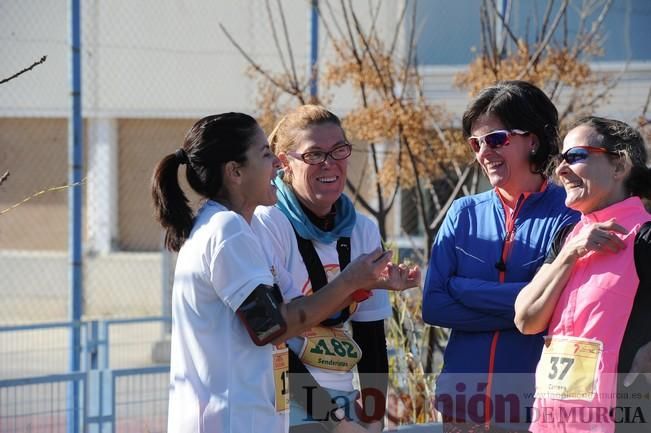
(364, 239)
(220, 380)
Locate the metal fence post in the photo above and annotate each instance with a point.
(99, 412)
(75, 162)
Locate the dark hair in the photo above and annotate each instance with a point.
(519, 105)
(208, 145)
(621, 138)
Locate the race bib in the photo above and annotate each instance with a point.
(568, 368)
(281, 368)
(330, 349)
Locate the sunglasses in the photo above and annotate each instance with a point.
(494, 139)
(580, 153)
(315, 157)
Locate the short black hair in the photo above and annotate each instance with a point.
(519, 105)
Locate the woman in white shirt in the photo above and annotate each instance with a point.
(229, 320)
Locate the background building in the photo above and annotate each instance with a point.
(149, 70)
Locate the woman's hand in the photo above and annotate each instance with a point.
(375, 271)
(400, 277)
(365, 272)
(598, 237)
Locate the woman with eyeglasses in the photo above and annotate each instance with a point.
(233, 305)
(593, 293)
(487, 249)
(317, 232)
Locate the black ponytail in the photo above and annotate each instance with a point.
(171, 205)
(208, 145)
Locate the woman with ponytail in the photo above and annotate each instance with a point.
(230, 314)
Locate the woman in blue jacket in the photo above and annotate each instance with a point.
(488, 248)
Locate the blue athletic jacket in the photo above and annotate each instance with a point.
(481, 258)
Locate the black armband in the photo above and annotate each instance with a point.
(261, 316)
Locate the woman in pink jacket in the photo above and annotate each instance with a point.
(593, 293)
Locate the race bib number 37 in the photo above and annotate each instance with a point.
(568, 368)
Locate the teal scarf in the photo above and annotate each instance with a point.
(288, 203)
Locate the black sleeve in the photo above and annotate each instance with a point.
(638, 331)
(557, 243)
(637, 334)
(373, 368)
(642, 254)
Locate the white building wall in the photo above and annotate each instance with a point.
(624, 102)
(151, 58)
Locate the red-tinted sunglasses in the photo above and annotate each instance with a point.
(494, 139)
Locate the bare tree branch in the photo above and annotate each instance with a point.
(460, 182)
(256, 66)
(365, 204)
(289, 45)
(543, 45)
(349, 28)
(506, 27)
(398, 29)
(646, 104)
(29, 68)
(388, 87)
(274, 33)
(40, 193)
(592, 101)
(410, 49)
(334, 20)
(4, 177)
(590, 37)
(545, 20)
(374, 12)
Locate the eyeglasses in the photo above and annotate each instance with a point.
(494, 139)
(580, 153)
(314, 157)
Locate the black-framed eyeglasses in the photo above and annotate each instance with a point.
(580, 153)
(314, 157)
(494, 139)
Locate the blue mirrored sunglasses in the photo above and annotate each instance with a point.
(580, 153)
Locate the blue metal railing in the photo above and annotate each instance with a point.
(109, 399)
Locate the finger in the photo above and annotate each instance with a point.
(415, 278)
(414, 273)
(375, 254)
(617, 241)
(383, 259)
(614, 245)
(611, 225)
(611, 247)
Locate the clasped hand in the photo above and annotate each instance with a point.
(598, 237)
(376, 271)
